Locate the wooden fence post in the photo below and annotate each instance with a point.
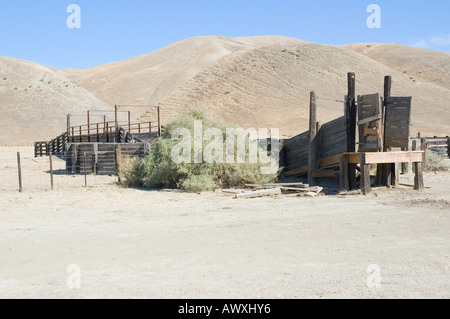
(85, 170)
(159, 122)
(118, 156)
(351, 126)
(418, 178)
(19, 170)
(312, 158)
(51, 170)
(424, 148)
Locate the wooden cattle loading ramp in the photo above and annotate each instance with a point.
(373, 130)
(97, 147)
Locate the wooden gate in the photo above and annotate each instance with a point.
(398, 122)
(370, 124)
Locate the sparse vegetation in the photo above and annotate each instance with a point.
(130, 173)
(158, 169)
(435, 162)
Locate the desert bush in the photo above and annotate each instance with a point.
(435, 162)
(159, 170)
(130, 171)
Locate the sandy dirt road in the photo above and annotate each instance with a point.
(151, 244)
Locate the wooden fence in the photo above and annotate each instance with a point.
(434, 142)
(100, 158)
(333, 150)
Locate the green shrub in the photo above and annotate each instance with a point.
(159, 170)
(130, 171)
(435, 162)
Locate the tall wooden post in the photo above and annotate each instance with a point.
(19, 170)
(89, 125)
(159, 121)
(386, 168)
(312, 159)
(129, 121)
(116, 108)
(118, 158)
(68, 126)
(350, 113)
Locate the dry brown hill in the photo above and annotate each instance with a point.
(149, 78)
(251, 82)
(427, 65)
(34, 101)
(265, 81)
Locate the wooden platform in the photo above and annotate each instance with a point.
(366, 159)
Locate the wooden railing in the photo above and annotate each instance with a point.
(106, 131)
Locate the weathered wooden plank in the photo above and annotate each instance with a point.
(329, 161)
(324, 173)
(299, 171)
(261, 193)
(393, 157)
(369, 119)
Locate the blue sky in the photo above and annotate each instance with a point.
(117, 30)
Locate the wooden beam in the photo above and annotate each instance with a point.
(393, 157)
(312, 157)
(365, 175)
(353, 158)
(369, 119)
(330, 161)
(261, 193)
(298, 171)
(324, 173)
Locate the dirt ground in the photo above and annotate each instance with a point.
(151, 244)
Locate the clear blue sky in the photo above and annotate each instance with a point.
(116, 30)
